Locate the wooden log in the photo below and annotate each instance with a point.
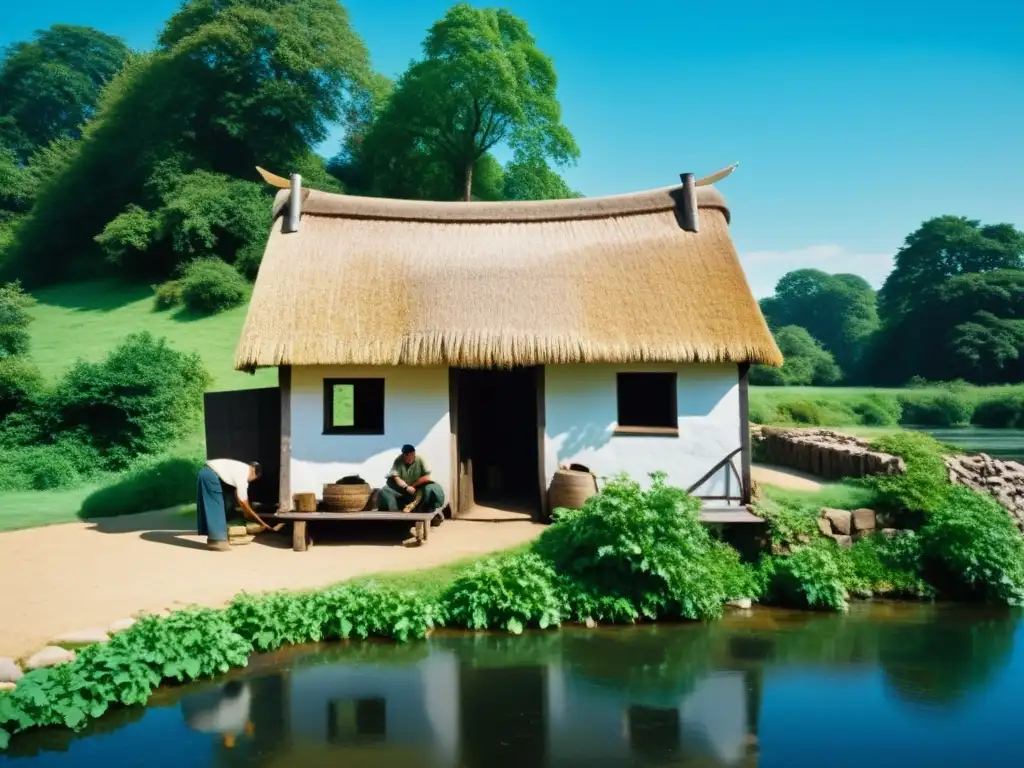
(299, 543)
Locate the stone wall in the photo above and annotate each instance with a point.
(1003, 480)
(821, 452)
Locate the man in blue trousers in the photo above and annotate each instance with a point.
(221, 483)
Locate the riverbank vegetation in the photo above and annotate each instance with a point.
(630, 555)
(923, 404)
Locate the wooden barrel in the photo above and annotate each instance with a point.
(305, 502)
(570, 488)
(346, 497)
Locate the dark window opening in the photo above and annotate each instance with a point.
(354, 721)
(353, 406)
(647, 403)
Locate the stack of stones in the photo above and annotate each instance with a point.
(846, 527)
(823, 453)
(1003, 480)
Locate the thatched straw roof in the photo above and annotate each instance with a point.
(368, 281)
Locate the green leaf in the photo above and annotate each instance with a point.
(515, 626)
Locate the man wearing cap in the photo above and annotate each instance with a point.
(410, 473)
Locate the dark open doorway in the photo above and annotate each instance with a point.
(498, 424)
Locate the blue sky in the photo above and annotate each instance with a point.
(852, 121)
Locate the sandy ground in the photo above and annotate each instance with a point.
(63, 578)
(783, 477)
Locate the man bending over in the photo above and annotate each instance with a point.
(222, 482)
(410, 473)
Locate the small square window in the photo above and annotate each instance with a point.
(353, 406)
(647, 404)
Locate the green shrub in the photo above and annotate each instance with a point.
(891, 566)
(209, 286)
(814, 576)
(14, 320)
(936, 409)
(925, 484)
(633, 554)
(511, 593)
(878, 410)
(1002, 412)
(21, 384)
(45, 467)
(762, 413)
(137, 402)
(150, 486)
(167, 295)
(972, 549)
(801, 412)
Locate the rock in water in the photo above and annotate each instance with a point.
(50, 656)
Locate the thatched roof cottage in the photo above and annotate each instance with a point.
(505, 339)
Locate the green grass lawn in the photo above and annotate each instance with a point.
(87, 320)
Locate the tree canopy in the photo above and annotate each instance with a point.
(50, 86)
(806, 362)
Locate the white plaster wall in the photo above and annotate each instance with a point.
(415, 411)
(581, 411)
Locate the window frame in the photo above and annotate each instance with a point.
(659, 430)
(361, 426)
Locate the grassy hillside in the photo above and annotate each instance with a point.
(87, 320)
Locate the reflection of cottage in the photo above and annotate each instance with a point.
(505, 338)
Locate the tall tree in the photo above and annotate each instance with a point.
(945, 247)
(482, 83)
(49, 86)
(837, 310)
(806, 362)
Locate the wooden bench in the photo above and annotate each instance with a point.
(300, 537)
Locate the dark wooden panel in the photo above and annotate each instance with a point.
(245, 425)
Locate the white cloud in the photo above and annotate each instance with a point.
(764, 268)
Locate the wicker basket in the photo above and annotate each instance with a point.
(348, 497)
(305, 502)
(570, 488)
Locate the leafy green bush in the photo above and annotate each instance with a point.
(209, 286)
(814, 576)
(1002, 412)
(925, 485)
(972, 549)
(21, 384)
(878, 410)
(167, 295)
(883, 565)
(633, 554)
(14, 320)
(146, 487)
(45, 467)
(137, 402)
(800, 412)
(510, 593)
(936, 409)
(762, 413)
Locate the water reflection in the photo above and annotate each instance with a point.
(720, 695)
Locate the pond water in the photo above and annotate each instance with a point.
(885, 685)
(1001, 443)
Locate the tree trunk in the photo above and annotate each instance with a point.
(469, 182)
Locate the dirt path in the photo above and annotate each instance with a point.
(783, 477)
(62, 578)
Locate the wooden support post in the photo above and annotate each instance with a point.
(284, 384)
(542, 475)
(690, 217)
(745, 457)
(299, 543)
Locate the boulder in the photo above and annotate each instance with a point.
(863, 520)
(824, 526)
(10, 672)
(840, 520)
(83, 637)
(50, 656)
(843, 541)
(120, 626)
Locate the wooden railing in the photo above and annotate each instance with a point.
(740, 496)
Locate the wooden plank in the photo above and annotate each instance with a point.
(542, 475)
(299, 536)
(729, 516)
(745, 456)
(284, 490)
(351, 516)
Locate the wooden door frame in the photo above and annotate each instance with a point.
(456, 490)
